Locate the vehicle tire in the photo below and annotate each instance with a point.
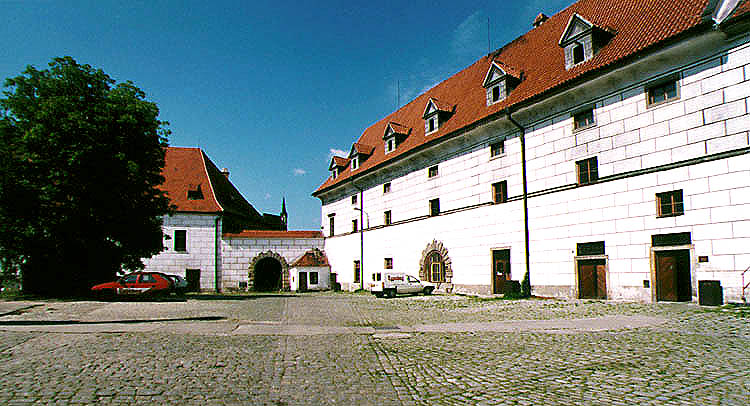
(427, 290)
(391, 293)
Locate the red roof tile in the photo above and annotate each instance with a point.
(399, 129)
(638, 26)
(364, 149)
(313, 257)
(187, 169)
(274, 234)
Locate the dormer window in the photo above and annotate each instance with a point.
(435, 114)
(582, 40)
(499, 81)
(337, 165)
(358, 154)
(195, 193)
(394, 135)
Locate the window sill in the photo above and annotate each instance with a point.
(670, 215)
(661, 103)
(582, 129)
(498, 156)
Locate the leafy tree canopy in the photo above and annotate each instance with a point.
(81, 161)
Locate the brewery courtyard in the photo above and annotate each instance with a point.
(354, 349)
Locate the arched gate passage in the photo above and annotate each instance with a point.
(268, 272)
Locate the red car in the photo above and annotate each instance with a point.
(136, 283)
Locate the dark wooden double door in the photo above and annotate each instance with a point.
(592, 279)
(673, 282)
(500, 270)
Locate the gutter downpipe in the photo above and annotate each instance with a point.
(361, 237)
(522, 130)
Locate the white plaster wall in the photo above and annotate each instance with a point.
(710, 117)
(238, 252)
(200, 253)
(324, 277)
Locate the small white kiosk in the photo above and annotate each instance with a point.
(311, 271)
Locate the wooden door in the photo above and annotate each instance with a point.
(302, 276)
(193, 277)
(673, 282)
(500, 270)
(592, 279)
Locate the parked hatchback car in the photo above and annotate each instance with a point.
(136, 283)
(179, 284)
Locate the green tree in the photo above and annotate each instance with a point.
(81, 161)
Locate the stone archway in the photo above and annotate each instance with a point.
(428, 255)
(267, 264)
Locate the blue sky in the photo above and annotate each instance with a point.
(269, 89)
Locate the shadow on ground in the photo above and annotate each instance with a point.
(78, 322)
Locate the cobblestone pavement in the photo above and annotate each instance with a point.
(201, 352)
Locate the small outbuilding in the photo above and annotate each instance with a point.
(311, 271)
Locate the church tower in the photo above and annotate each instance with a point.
(283, 214)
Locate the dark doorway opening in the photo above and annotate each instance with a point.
(592, 279)
(303, 281)
(673, 282)
(267, 275)
(500, 270)
(193, 278)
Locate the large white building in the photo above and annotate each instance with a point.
(605, 151)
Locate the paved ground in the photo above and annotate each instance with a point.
(349, 349)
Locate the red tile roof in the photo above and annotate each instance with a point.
(313, 257)
(338, 161)
(639, 26)
(274, 234)
(187, 169)
(399, 129)
(364, 149)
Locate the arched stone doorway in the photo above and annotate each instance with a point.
(435, 265)
(268, 272)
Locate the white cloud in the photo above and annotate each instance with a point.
(299, 172)
(467, 37)
(336, 152)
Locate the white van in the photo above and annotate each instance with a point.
(389, 284)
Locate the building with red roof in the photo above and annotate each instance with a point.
(603, 154)
(215, 234)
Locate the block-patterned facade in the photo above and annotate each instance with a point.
(695, 142)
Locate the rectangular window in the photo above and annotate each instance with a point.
(335, 173)
(376, 277)
(357, 272)
(663, 92)
(583, 119)
(180, 240)
(354, 199)
(388, 263)
(387, 187)
(390, 145)
(495, 93)
(500, 192)
(330, 225)
(387, 217)
(578, 54)
(670, 204)
(590, 248)
(432, 172)
(432, 125)
(355, 163)
(434, 207)
(588, 171)
(313, 278)
(497, 149)
(354, 226)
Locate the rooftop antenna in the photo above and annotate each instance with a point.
(489, 48)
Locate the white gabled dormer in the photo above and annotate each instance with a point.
(435, 114)
(337, 165)
(359, 154)
(582, 40)
(394, 135)
(499, 82)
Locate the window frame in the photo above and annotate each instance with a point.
(650, 91)
(495, 94)
(331, 224)
(592, 123)
(357, 271)
(355, 227)
(387, 263)
(502, 197)
(493, 149)
(435, 259)
(433, 172)
(179, 241)
(387, 218)
(577, 46)
(355, 163)
(592, 176)
(313, 276)
(434, 207)
(386, 187)
(673, 203)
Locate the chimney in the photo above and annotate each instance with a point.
(225, 172)
(539, 20)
